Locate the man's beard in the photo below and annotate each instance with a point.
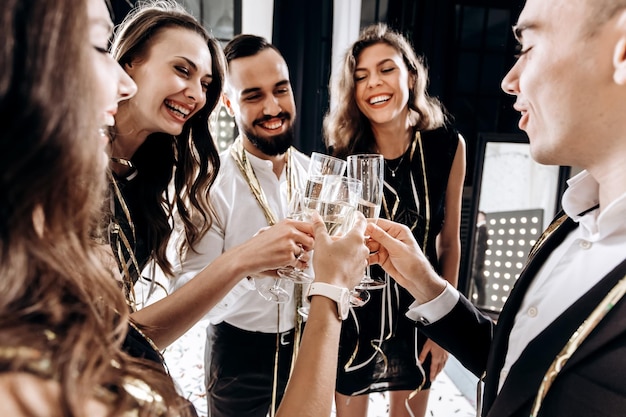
(271, 145)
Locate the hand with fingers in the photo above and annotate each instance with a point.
(394, 248)
(285, 243)
(439, 357)
(340, 260)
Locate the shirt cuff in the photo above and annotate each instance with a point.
(436, 308)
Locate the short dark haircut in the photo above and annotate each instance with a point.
(243, 45)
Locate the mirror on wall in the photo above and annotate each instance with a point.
(514, 200)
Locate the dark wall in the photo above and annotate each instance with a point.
(303, 33)
(468, 47)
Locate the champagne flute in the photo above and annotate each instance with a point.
(339, 199)
(273, 290)
(345, 195)
(369, 168)
(335, 198)
(295, 210)
(311, 201)
(321, 164)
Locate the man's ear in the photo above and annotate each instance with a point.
(229, 107)
(619, 52)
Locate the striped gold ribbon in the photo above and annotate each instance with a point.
(575, 340)
(238, 153)
(386, 299)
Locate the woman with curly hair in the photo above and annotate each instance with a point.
(382, 107)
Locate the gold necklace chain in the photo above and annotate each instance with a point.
(394, 170)
(239, 155)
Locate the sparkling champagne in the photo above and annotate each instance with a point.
(338, 217)
(313, 188)
(370, 210)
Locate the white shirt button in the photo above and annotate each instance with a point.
(584, 244)
(532, 312)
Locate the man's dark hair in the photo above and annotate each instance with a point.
(244, 45)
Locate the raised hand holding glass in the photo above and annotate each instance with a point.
(295, 210)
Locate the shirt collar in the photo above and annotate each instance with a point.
(259, 163)
(580, 199)
(581, 195)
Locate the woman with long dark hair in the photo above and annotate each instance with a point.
(164, 162)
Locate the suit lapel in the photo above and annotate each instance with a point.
(526, 374)
(506, 319)
(604, 332)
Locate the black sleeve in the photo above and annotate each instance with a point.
(466, 333)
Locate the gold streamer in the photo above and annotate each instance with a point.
(116, 229)
(238, 153)
(538, 244)
(391, 215)
(418, 140)
(574, 342)
(581, 333)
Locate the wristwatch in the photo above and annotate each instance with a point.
(340, 295)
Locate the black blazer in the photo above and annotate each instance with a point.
(593, 381)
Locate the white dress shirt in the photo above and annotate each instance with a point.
(238, 218)
(586, 255)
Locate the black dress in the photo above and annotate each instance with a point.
(379, 345)
(127, 231)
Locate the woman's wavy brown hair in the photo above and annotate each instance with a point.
(56, 296)
(192, 156)
(346, 129)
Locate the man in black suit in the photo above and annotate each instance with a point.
(559, 347)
